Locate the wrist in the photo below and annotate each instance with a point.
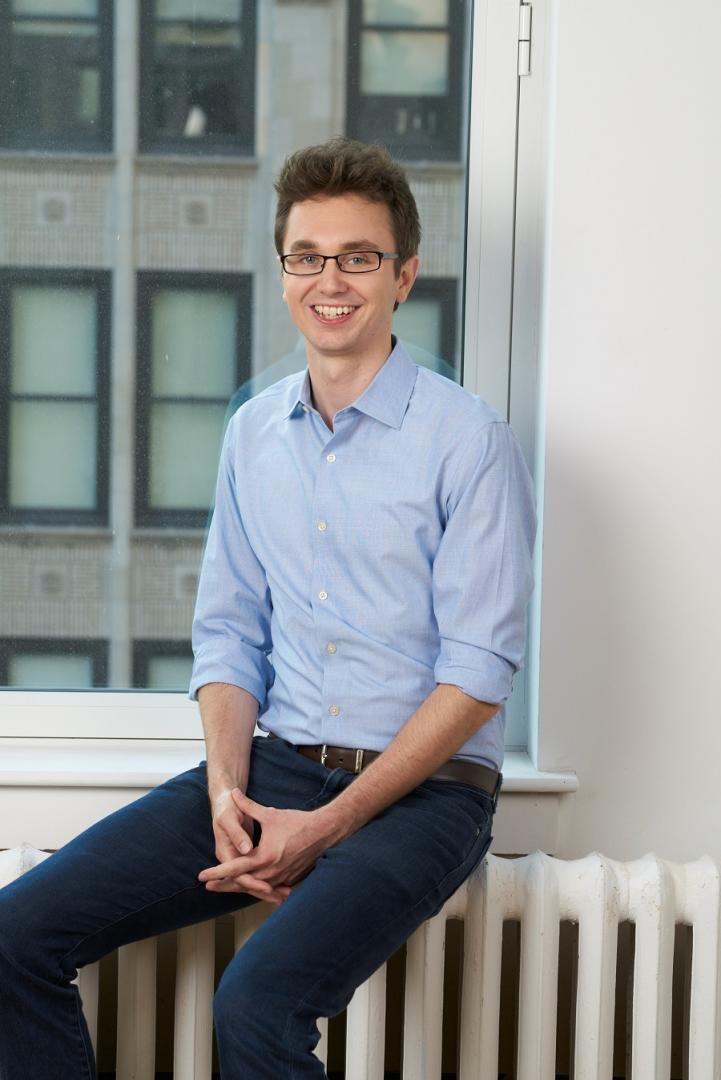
(338, 819)
(220, 787)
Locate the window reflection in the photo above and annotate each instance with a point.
(198, 75)
(55, 73)
(139, 292)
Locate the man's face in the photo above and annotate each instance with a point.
(341, 314)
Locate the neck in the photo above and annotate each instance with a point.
(338, 381)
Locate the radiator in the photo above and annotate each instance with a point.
(537, 891)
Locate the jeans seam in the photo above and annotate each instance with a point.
(346, 956)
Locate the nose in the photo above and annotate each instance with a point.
(332, 279)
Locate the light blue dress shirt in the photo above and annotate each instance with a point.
(373, 561)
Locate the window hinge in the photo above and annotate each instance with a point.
(524, 40)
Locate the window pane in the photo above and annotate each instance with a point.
(419, 322)
(54, 67)
(169, 672)
(196, 38)
(52, 454)
(194, 344)
(193, 230)
(406, 12)
(48, 671)
(52, 28)
(229, 10)
(53, 335)
(56, 8)
(184, 445)
(403, 64)
(194, 90)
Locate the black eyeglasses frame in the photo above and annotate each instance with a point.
(343, 254)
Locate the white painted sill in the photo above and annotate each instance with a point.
(144, 763)
(147, 738)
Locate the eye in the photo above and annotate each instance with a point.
(306, 260)
(359, 258)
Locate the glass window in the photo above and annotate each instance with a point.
(193, 353)
(109, 433)
(56, 74)
(427, 323)
(54, 664)
(162, 665)
(198, 76)
(53, 410)
(405, 76)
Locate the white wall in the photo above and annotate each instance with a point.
(630, 693)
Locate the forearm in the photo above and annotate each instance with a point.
(229, 714)
(435, 731)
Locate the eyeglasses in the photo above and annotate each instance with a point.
(306, 263)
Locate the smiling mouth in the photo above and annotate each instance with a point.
(332, 311)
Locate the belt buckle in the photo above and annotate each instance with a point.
(323, 753)
(359, 755)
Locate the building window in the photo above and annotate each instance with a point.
(56, 74)
(198, 76)
(427, 323)
(54, 346)
(162, 665)
(405, 76)
(53, 664)
(193, 353)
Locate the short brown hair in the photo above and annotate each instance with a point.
(347, 167)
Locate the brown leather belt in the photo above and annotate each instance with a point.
(342, 757)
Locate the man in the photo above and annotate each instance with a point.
(372, 531)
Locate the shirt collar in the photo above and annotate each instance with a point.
(385, 398)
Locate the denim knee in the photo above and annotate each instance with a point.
(26, 938)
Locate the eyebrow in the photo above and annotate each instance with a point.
(351, 245)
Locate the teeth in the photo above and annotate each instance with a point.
(332, 312)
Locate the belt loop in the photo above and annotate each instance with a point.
(359, 755)
(497, 792)
(323, 753)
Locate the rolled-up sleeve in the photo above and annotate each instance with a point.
(231, 627)
(483, 569)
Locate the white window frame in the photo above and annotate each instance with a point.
(504, 253)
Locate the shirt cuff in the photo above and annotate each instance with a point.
(253, 673)
(481, 674)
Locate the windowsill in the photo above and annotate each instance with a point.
(157, 159)
(144, 763)
(429, 165)
(55, 157)
(25, 530)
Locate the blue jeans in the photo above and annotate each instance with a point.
(134, 875)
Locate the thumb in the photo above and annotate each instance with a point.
(254, 809)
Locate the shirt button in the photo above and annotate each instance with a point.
(334, 710)
(305, 408)
(322, 595)
(330, 457)
(331, 648)
(322, 525)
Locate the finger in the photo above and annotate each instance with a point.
(232, 868)
(254, 809)
(242, 842)
(247, 884)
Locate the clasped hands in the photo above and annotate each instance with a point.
(291, 842)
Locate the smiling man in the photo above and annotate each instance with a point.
(362, 600)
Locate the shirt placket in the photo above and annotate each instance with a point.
(325, 601)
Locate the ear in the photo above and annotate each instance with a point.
(407, 276)
(283, 297)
